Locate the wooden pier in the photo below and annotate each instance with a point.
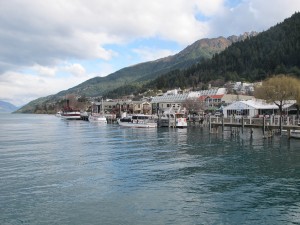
(269, 126)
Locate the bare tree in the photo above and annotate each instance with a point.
(73, 103)
(194, 105)
(279, 90)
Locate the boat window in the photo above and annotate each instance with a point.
(126, 119)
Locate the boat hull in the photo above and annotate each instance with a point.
(172, 121)
(295, 134)
(137, 125)
(71, 115)
(138, 121)
(97, 119)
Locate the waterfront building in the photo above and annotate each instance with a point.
(255, 108)
(163, 103)
(120, 106)
(228, 99)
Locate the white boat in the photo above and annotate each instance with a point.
(58, 114)
(291, 134)
(172, 118)
(71, 114)
(97, 118)
(138, 121)
(295, 134)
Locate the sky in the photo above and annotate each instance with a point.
(52, 45)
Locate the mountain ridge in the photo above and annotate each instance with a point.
(7, 107)
(274, 51)
(144, 72)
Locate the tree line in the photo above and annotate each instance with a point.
(275, 51)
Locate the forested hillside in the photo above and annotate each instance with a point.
(253, 58)
(274, 51)
(131, 79)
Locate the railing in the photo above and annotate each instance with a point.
(270, 121)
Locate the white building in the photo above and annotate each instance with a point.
(162, 103)
(253, 108)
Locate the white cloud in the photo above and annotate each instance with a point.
(210, 7)
(19, 88)
(44, 71)
(252, 15)
(150, 54)
(75, 69)
(46, 37)
(50, 32)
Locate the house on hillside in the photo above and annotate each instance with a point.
(212, 98)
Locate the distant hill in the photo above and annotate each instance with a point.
(135, 76)
(271, 52)
(7, 107)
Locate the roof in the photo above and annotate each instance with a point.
(203, 97)
(256, 104)
(229, 98)
(170, 98)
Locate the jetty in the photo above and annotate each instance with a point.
(269, 126)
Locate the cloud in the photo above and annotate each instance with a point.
(47, 37)
(44, 71)
(251, 15)
(75, 69)
(210, 7)
(49, 32)
(150, 54)
(20, 88)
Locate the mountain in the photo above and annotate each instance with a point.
(135, 76)
(143, 72)
(274, 51)
(7, 107)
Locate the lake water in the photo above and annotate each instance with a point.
(73, 172)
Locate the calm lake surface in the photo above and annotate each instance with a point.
(73, 172)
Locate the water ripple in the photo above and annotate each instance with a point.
(73, 172)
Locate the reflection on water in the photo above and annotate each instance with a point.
(74, 172)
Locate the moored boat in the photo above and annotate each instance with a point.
(138, 121)
(70, 114)
(97, 118)
(58, 114)
(295, 134)
(291, 133)
(172, 118)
